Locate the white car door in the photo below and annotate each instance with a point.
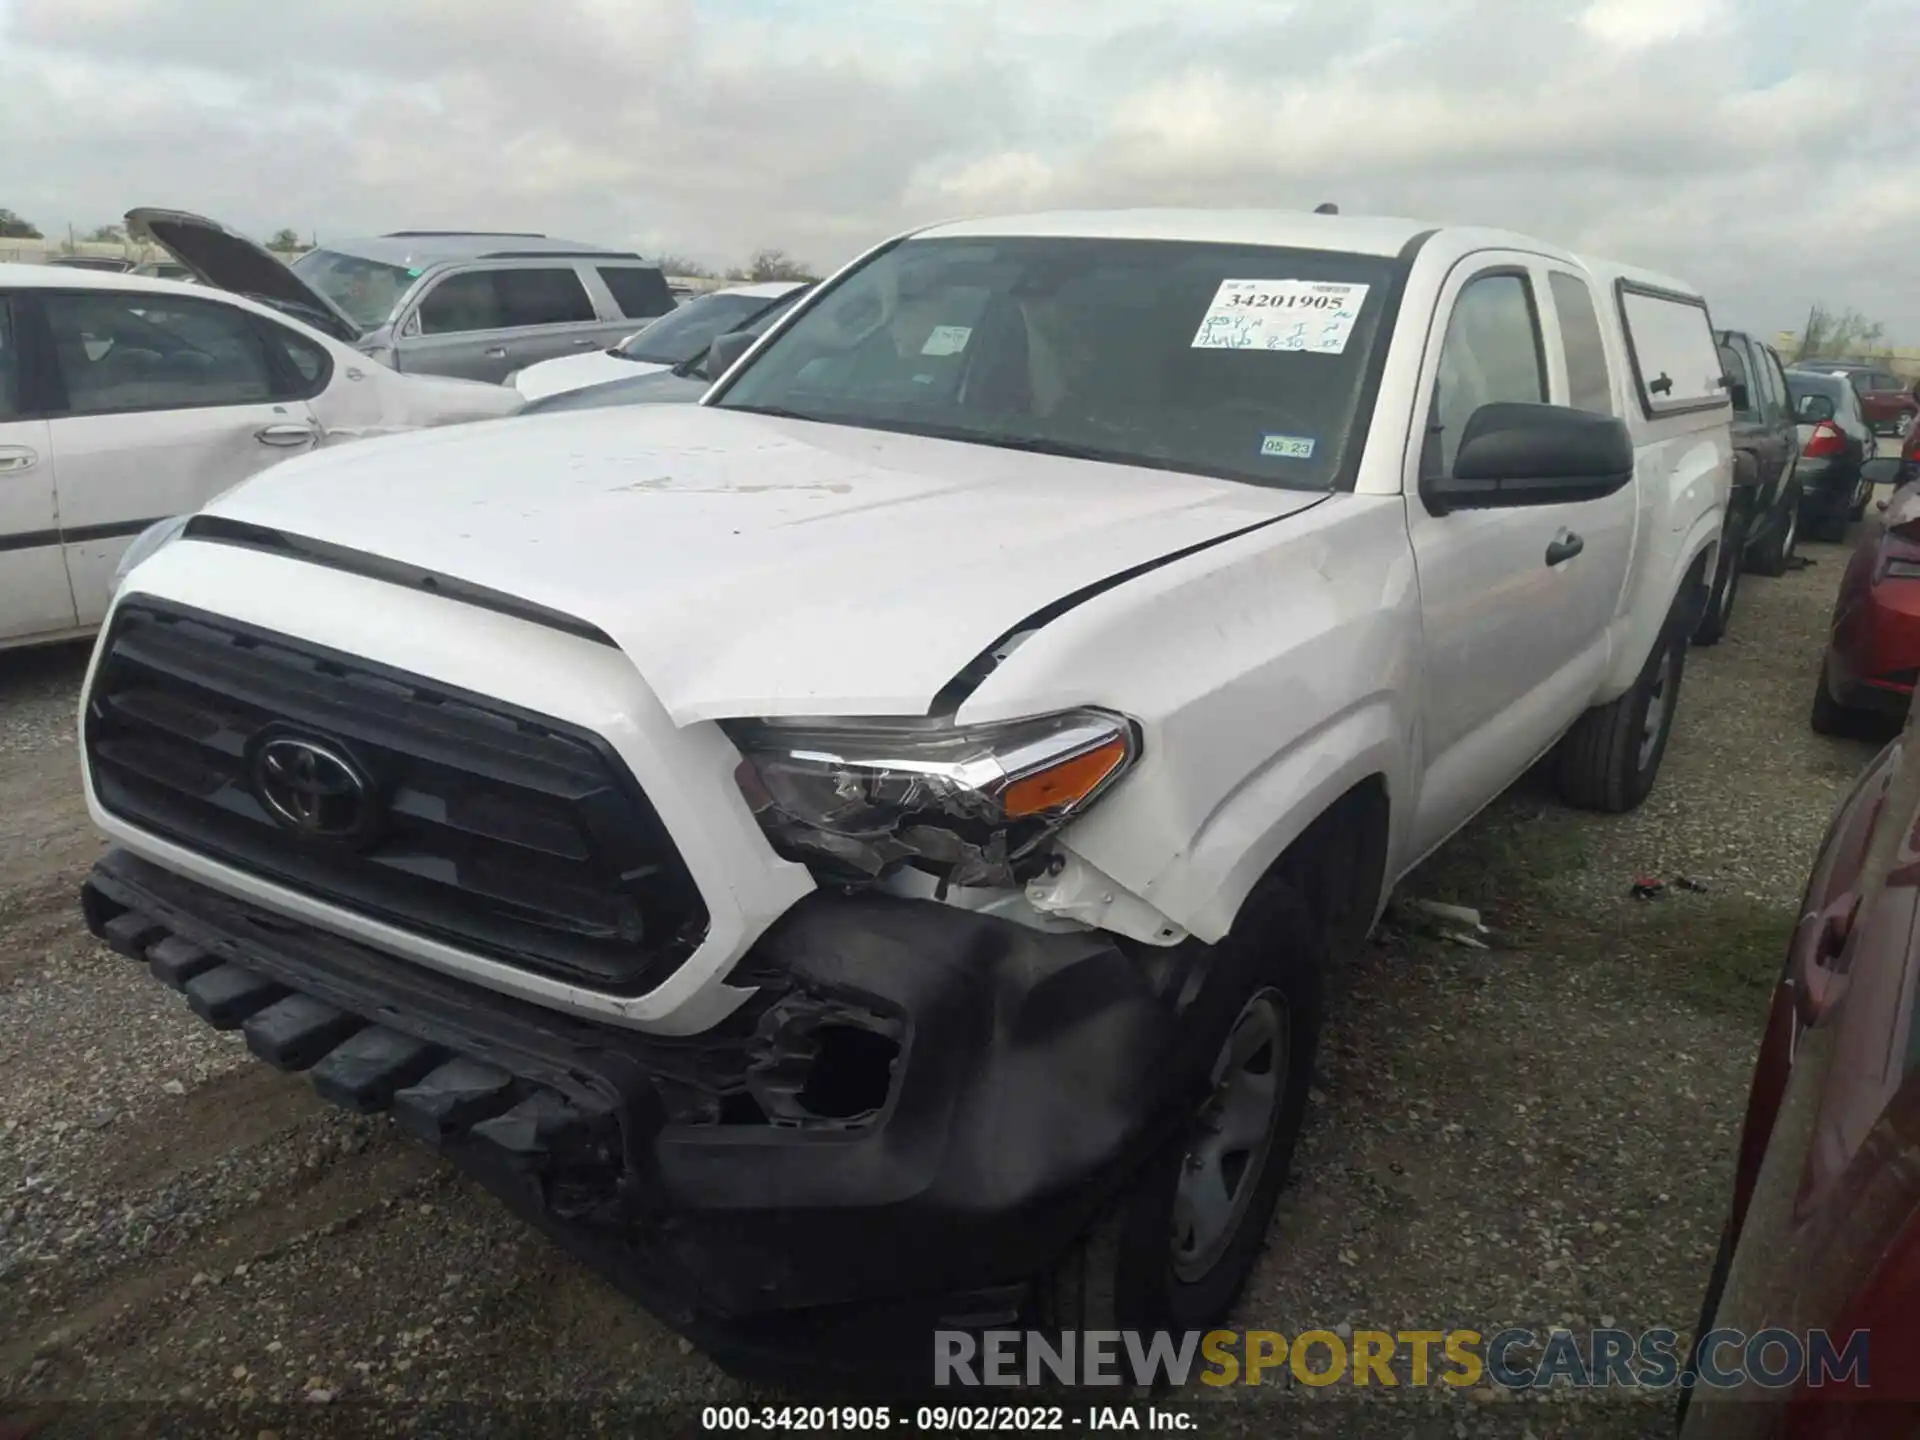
(34, 598)
(1510, 597)
(168, 400)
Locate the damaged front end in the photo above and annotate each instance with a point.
(919, 1110)
(971, 805)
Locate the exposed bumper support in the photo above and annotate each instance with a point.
(922, 1110)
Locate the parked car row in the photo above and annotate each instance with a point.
(476, 306)
(1889, 403)
(126, 400)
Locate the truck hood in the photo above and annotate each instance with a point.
(750, 565)
(219, 257)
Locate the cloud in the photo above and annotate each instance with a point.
(1756, 147)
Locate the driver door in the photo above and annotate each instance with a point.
(1515, 602)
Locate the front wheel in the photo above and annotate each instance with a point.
(1175, 1252)
(1609, 759)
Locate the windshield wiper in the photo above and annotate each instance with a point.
(778, 412)
(1035, 445)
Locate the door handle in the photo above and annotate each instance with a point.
(1565, 546)
(285, 436)
(17, 457)
(496, 352)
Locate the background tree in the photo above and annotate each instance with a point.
(12, 227)
(671, 264)
(106, 235)
(1839, 335)
(286, 239)
(773, 265)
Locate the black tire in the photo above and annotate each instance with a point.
(1125, 1272)
(1726, 587)
(1609, 759)
(1829, 716)
(1775, 553)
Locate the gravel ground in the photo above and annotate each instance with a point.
(1537, 1134)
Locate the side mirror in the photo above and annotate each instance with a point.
(1816, 408)
(725, 350)
(1521, 454)
(1737, 394)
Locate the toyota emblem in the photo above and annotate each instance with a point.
(312, 789)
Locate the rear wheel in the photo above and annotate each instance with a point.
(1174, 1253)
(1829, 716)
(1775, 555)
(1862, 496)
(1726, 585)
(1609, 759)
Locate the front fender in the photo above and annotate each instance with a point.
(1269, 675)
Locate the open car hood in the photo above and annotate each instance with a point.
(217, 256)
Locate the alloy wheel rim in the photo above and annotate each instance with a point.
(1658, 699)
(1232, 1136)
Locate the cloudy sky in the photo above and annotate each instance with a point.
(1768, 150)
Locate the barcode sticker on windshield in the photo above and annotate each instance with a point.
(1314, 316)
(947, 340)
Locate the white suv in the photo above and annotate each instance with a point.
(861, 854)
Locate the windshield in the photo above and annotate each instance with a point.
(684, 333)
(1801, 386)
(365, 291)
(1238, 361)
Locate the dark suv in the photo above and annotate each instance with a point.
(1763, 511)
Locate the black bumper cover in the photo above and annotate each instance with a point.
(1034, 1073)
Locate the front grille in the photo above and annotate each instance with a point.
(503, 832)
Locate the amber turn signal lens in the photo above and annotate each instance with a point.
(1068, 783)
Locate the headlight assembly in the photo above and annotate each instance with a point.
(968, 803)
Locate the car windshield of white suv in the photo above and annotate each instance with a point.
(684, 333)
(365, 291)
(1238, 361)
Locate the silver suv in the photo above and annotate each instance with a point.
(473, 304)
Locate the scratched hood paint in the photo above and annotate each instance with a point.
(750, 565)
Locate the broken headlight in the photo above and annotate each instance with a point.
(969, 803)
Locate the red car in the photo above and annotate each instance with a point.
(1890, 403)
(1873, 649)
(1823, 1238)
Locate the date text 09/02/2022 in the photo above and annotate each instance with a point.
(939, 1419)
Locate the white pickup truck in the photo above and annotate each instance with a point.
(859, 854)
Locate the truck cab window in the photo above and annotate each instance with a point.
(1491, 353)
